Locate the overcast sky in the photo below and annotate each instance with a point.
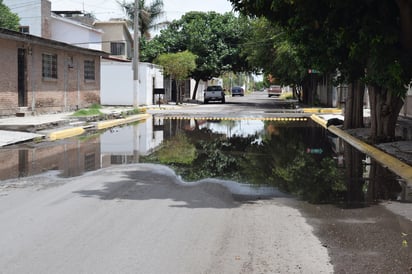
(174, 9)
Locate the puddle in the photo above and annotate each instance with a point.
(296, 157)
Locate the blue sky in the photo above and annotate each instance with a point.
(174, 9)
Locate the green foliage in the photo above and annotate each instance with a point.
(8, 20)
(95, 106)
(349, 36)
(88, 112)
(148, 14)
(213, 37)
(177, 151)
(177, 65)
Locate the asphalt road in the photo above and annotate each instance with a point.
(141, 219)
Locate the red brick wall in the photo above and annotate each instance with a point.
(71, 159)
(66, 93)
(8, 77)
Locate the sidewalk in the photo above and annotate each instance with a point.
(15, 130)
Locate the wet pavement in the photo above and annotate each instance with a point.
(359, 239)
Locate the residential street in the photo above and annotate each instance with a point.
(140, 219)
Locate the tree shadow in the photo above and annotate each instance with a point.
(143, 184)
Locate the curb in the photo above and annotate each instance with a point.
(75, 131)
(322, 110)
(65, 133)
(122, 121)
(394, 164)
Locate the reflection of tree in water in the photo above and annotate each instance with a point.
(383, 184)
(284, 162)
(277, 157)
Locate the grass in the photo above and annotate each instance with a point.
(93, 110)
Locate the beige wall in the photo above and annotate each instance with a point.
(69, 91)
(115, 31)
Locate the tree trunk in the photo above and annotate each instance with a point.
(353, 175)
(405, 12)
(195, 90)
(308, 88)
(382, 183)
(354, 106)
(385, 108)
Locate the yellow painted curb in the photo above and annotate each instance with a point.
(322, 110)
(398, 167)
(117, 122)
(66, 133)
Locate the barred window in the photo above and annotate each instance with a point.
(49, 65)
(117, 48)
(89, 70)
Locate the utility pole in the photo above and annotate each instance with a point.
(136, 33)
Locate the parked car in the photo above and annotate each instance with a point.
(274, 90)
(214, 93)
(238, 91)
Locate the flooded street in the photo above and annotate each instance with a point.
(274, 194)
(293, 155)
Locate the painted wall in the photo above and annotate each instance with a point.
(30, 13)
(116, 31)
(74, 33)
(117, 83)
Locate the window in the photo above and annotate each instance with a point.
(24, 29)
(117, 48)
(89, 70)
(49, 65)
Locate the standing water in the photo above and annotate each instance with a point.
(295, 156)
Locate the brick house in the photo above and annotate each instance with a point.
(42, 76)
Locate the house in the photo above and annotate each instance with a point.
(72, 27)
(44, 75)
(121, 91)
(117, 39)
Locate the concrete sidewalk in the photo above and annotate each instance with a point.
(15, 130)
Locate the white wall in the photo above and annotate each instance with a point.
(72, 32)
(116, 86)
(149, 75)
(117, 83)
(29, 12)
(127, 140)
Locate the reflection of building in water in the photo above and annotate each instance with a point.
(124, 145)
(337, 146)
(72, 159)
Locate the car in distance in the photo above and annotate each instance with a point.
(238, 91)
(214, 93)
(274, 90)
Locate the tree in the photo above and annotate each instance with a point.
(148, 14)
(269, 42)
(8, 20)
(367, 42)
(178, 66)
(215, 38)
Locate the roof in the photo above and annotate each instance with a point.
(23, 37)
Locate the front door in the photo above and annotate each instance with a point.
(21, 76)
